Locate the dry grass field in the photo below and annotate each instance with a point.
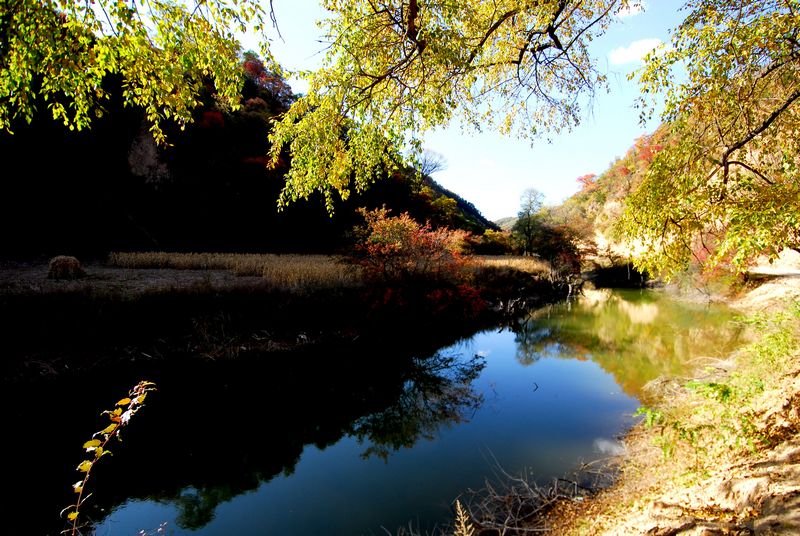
(292, 272)
(522, 264)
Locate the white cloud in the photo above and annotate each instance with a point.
(632, 9)
(633, 52)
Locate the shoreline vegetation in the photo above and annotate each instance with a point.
(717, 452)
(233, 303)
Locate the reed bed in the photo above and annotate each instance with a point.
(282, 271)
(522, 264)
(310, 271)
(295, 272)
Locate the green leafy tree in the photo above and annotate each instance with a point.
(395, 68)
(57, 53)
(725, 187)
(528, 221)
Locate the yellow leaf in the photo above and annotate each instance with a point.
(85, 466)
(78, 486)
(91, 445)
(108, 429)
(124, 402)
(72, 515)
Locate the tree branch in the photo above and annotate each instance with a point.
(764, 126)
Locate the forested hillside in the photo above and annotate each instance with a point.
(113, 187)
(594, 211)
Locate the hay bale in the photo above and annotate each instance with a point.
(65, 267)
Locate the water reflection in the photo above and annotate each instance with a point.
(218, 430)
(429, 394)
(294, 443)
(635, 335)
(438, 393)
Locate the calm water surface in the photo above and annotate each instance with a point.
(553, 389)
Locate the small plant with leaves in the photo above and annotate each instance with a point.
(98, 446)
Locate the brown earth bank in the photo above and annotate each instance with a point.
(720, 453)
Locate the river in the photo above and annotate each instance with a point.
(365, 441)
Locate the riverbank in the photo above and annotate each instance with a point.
(718, 453)
(212, 306)
(294, 369)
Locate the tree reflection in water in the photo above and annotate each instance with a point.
(219, 429)
(636, 336)
(437, 393)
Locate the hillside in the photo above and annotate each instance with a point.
(593, 211)
(112, 188)
(506, 224)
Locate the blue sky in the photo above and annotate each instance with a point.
(491, 170)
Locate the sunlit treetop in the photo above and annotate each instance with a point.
(264, 78)
(395, 68)
(726, 187)
(57, 52)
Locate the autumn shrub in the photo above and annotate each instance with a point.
(398, 248)
(65, 267)
(491, 243)
(412, 266)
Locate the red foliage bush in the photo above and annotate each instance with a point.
(587, 182)
(647, 148)
(211, 119)
(398, 248)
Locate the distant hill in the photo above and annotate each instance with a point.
(507, 223)
(471, 218)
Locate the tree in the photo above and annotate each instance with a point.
(395, 67)
(57, 53)
(262, 82)
(528, 221)
(725, 186)
(431, 162)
